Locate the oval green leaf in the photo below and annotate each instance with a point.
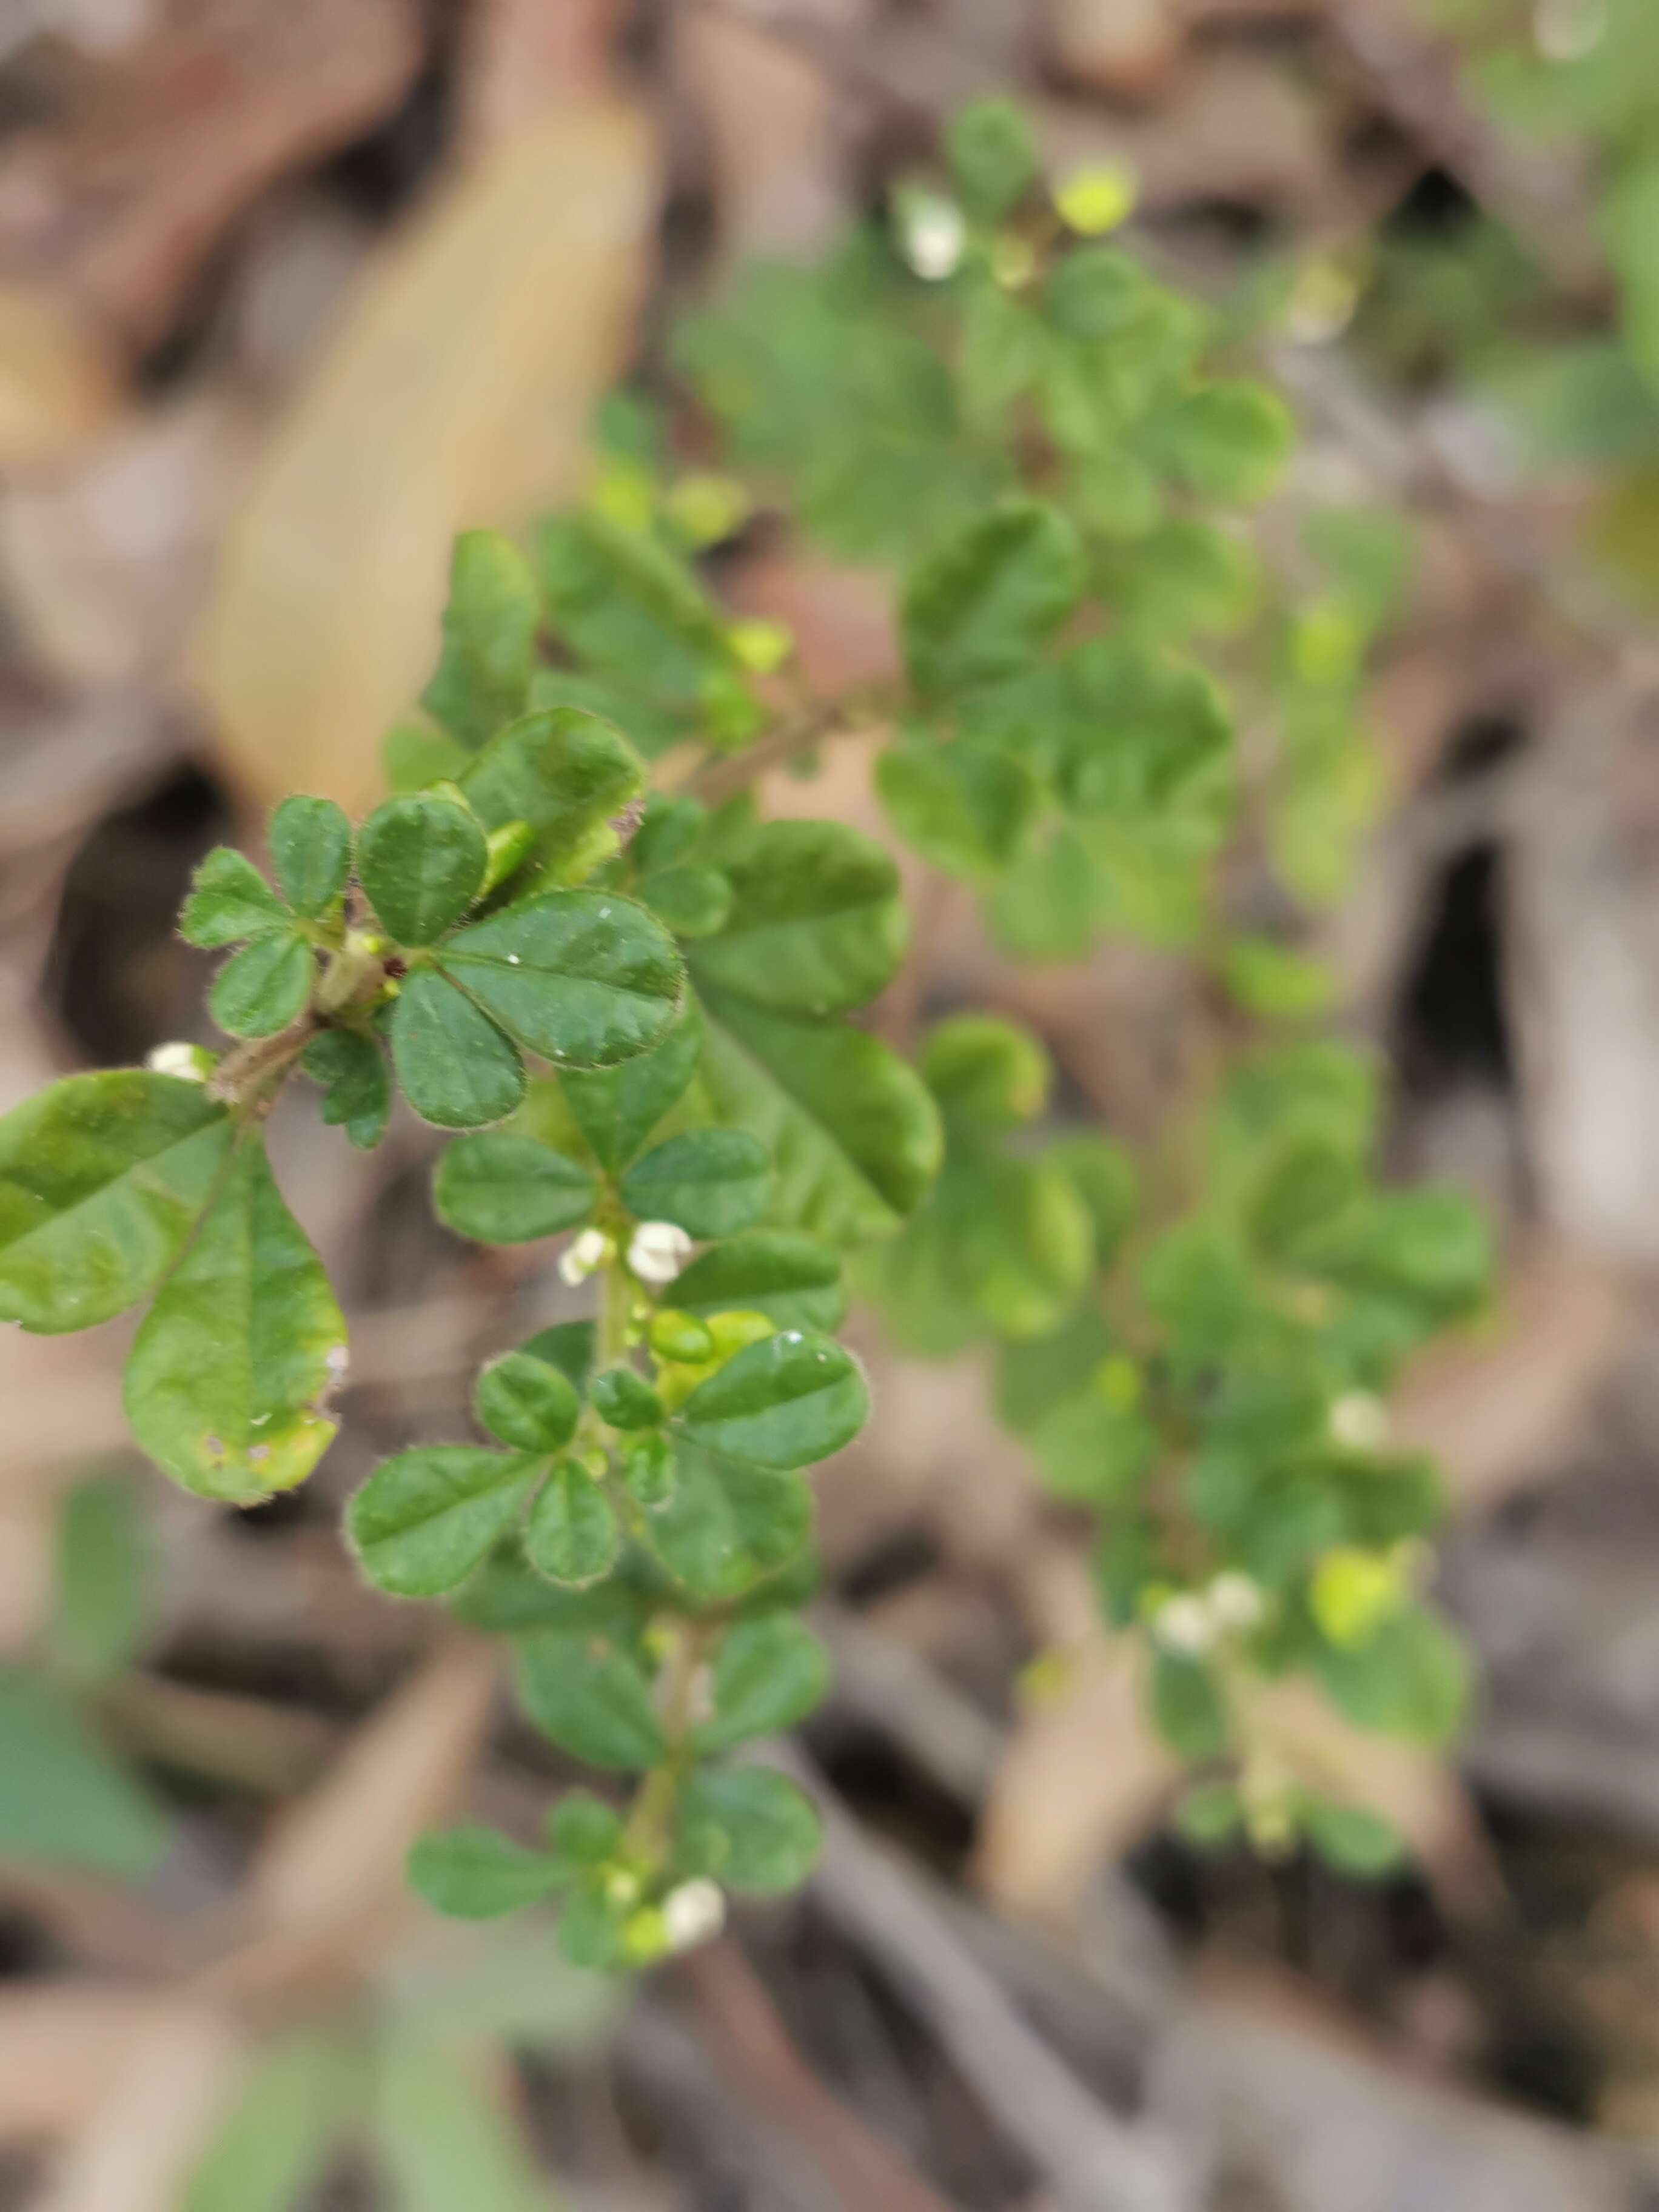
(795, 1281)
(817, 923)
(477, 1873)
(769, 1673)
(101, 1178)
(617, 1107)
(310, 842)
(749, 1827)
(425, 1520)
(356, 1088)
(420, 860)
(979, 605)
(572, 1535)
(499, 1189)
(785, 1403)
(591, 1698)
(524, 1402)
(227, 1381)
(261, 988)
(711, 1182)
(229, 899)
(454, 1065)
(582, 978)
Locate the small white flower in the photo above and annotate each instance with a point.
(590, 1250)
(187, 1061)
(1185, 1624)
(933, 235)
(659, 1251)
(692, 1913)
(1235, 1601)
(1359, 1419)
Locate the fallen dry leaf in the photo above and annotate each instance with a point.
(140, 2137)
(1123, 47)
(63, 2047)
(1083, 1777)
(457, 391)
(59, 390)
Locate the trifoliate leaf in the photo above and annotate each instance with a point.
(584, 977)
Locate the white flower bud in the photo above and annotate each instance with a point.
(590, 1250)
(659, 1251)
(692, 1913)
(190, 1063)
(1235, 1601)
(1359, 1419)
(1185, 1624)
(932, 233)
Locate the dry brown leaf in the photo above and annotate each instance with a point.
(1124, 46)
(1083, 1777)
(457, 391)
(140, 2137)
(1492, 1410)
(116, 207)
(62, 2047)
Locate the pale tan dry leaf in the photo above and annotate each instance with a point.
(1493, 1409)
(1083, 1777)
(457, 391)
(63, 2046)
(328, 1892)
(139, 2139)
(1122, 46)
(59, 390)
(520, 58)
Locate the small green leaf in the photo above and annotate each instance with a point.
(785, 1403)
(101, 1179)
(617, 1107)
(572, 1536)
(712, 1182)
(562, 770)
(476, 1872)
(853, 1133)
(966, 808)
(103, 1597)
(583, 1829)
(1210, 1816)
(63, 1799)
(980, 605)
(691, 902)
(1091, 1451)
(503, 1189)
(769, 1673)
(310, 842)
(993, 152)
(586, 977)
(623, 1399)
(793, 1281)
(568, 1345)
(1187, 1707)
(648, 1470)
(726, 1525)
(228, 899)
(1411, 1678)
(1094, 292)
(261, 988)
(1352, 1839)
(986, 1073)
(421, 860)
(227, 1380)
(749, 1827)
(356, 1088)
(527, 1403)
(816, 922)
(425, 1520)
(591, 1698)
(454, 1065)
(488, 638)
(1230, 439)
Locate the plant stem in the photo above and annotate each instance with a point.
(244, 1077)
(647, 1832)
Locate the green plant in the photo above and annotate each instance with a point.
(1017, 415)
